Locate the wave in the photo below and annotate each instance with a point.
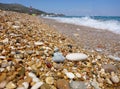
(111, 25)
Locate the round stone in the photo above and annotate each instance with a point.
(76, 56)
(70, 75)
(62, 84)
(49, 80)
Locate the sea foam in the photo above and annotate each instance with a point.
(111, 25)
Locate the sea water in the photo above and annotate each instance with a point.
(111, 23)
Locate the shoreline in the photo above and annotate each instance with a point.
(102, 41)
(35, 55)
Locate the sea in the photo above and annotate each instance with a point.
(111, 23)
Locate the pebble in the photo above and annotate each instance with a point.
(76, 56)
(114, 78)
(45, 86)
(10, 85)
(56, 49)
(114, 58)
(95, 84)
(2, 84)
(2, 77)
(49, 80)
(70, 75)
(38, 43)
(58, 57)
(25, 84)
(62, 84)
(37, 85)
(109, 68)
(78, 85)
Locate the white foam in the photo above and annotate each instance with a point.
(111, 25)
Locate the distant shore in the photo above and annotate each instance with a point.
(103, 41)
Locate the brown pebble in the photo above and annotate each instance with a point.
(45, 86)
(2, 77)
(62, 84)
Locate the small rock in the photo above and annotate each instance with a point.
(25, 84)
(77, 85)
(95, 84)
(109, 68)
(114, 58)
(6, 40)
(2, 77)
(10, 85)
(114, 78)
(58, 57)
(70, 75)
(45, 86)
(38, 43)
(108, 81)
(62, 84)
(3, 84)
(76, 56)
(49, 80)
(37, 85)
(56, 49)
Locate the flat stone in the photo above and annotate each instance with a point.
(37, 85)
(38, 43)
(114, 78)
(45, 86)
(62, 84)
(49, 80)
(58, 57)
(10, 85)
(110, 68)
(70, 75)
(76, 56)
(3, 84)
(78, 85)
(114, 58)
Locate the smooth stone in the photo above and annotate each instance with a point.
(49, 80)
(3, 84)
(38, 43)
(76, 56)
(10, 85)
(95, 84)
(3, 77)
(70, 75)
(58, 57)
(3, 65)
(25, 84)
(78, 85)
(45, 86)
(110, 68)
(62, 84)
(114, 78)
(114, 58)
(56, 49)
(37, 85)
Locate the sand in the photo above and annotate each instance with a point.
(100, 40)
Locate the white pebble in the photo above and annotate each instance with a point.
(38, 43)
(36, 79)
(37, 85)
(70, 75)
(26, 85)
(76, 56)
(21, 88)
(32, 75)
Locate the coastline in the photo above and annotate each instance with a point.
(29, 49)
(103, 41)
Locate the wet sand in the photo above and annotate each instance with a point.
(103, 41)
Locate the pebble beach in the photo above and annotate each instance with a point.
(35, 55)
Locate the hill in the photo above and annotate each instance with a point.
(23, 9)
